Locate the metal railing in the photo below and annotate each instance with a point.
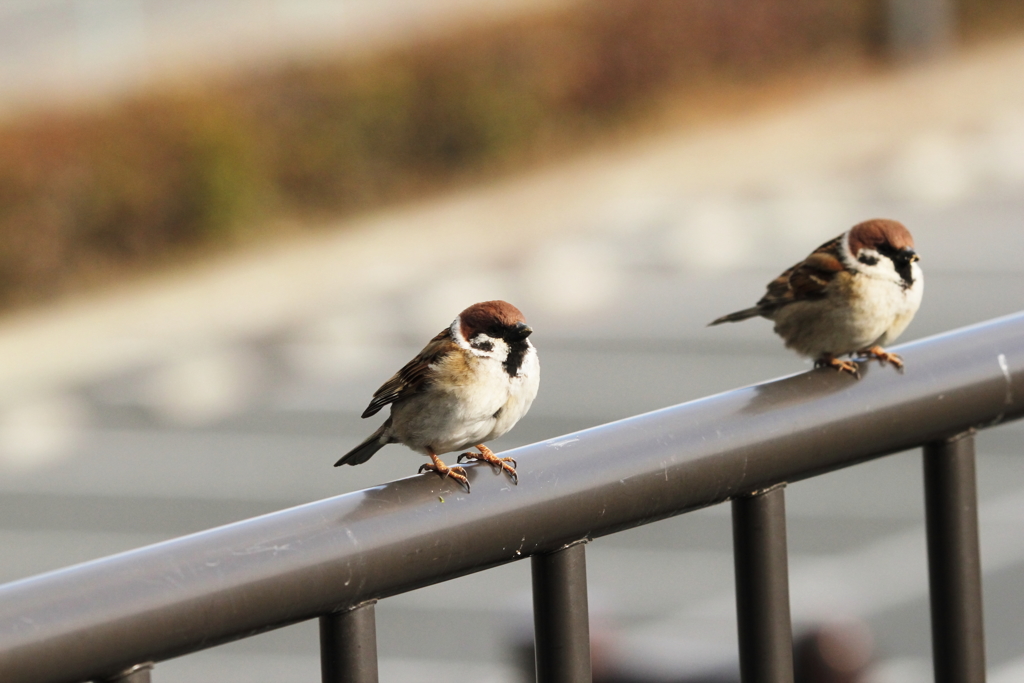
(332, 559)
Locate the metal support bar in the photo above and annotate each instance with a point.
(298, 564)
(560, 616)
(954, 564)
(348, 646)
(762, 587)
(140, 673)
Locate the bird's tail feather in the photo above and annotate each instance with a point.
(365, 450)
(737, 316)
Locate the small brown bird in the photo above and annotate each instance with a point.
(469, 385)
(852, 295)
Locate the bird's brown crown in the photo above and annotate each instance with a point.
(489, 317)
(878, 233)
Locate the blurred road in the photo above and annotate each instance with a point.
(208, 396)
(70, 49)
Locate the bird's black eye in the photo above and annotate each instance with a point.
(868, 260)
(482, 345)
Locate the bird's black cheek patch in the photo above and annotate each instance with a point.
(482, 345)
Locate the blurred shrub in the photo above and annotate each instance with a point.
(983, 18)
(160, 174)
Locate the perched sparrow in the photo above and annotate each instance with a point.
(851, 296)
(469, 385)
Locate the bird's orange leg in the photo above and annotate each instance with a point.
(830, 361)
(456, 473)
(883, 356)
(488, 456)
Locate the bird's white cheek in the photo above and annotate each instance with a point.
(887, 269)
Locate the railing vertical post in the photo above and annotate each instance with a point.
(348, 646)
(561, 617)
(140, 673)
(954, 564)
(762, 587)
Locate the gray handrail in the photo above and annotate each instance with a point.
(212, 587)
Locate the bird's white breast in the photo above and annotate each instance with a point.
(904, 306)
(522, 389)
(472, 401)
(856, 312)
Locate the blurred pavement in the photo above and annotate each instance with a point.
(209, 395)
(60, 50)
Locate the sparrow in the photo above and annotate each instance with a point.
(471, 383)
(852, 295)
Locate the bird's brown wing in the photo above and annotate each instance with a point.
(806, 280)
(414, 376)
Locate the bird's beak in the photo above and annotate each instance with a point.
(520, 331)
(909, 255)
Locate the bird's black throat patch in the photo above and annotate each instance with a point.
(903, 269)
(514, 361)
(901, 262)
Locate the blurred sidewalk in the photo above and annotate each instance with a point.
(60, 50)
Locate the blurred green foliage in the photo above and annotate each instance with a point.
(162, 173)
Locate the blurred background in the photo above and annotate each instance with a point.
(224, 224)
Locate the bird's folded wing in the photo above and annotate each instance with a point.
(807, 280)
(414, 376)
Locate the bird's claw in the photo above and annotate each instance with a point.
(488, 456)
(840, 365)
(884, 357)
(445, 472)
(473, 456)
